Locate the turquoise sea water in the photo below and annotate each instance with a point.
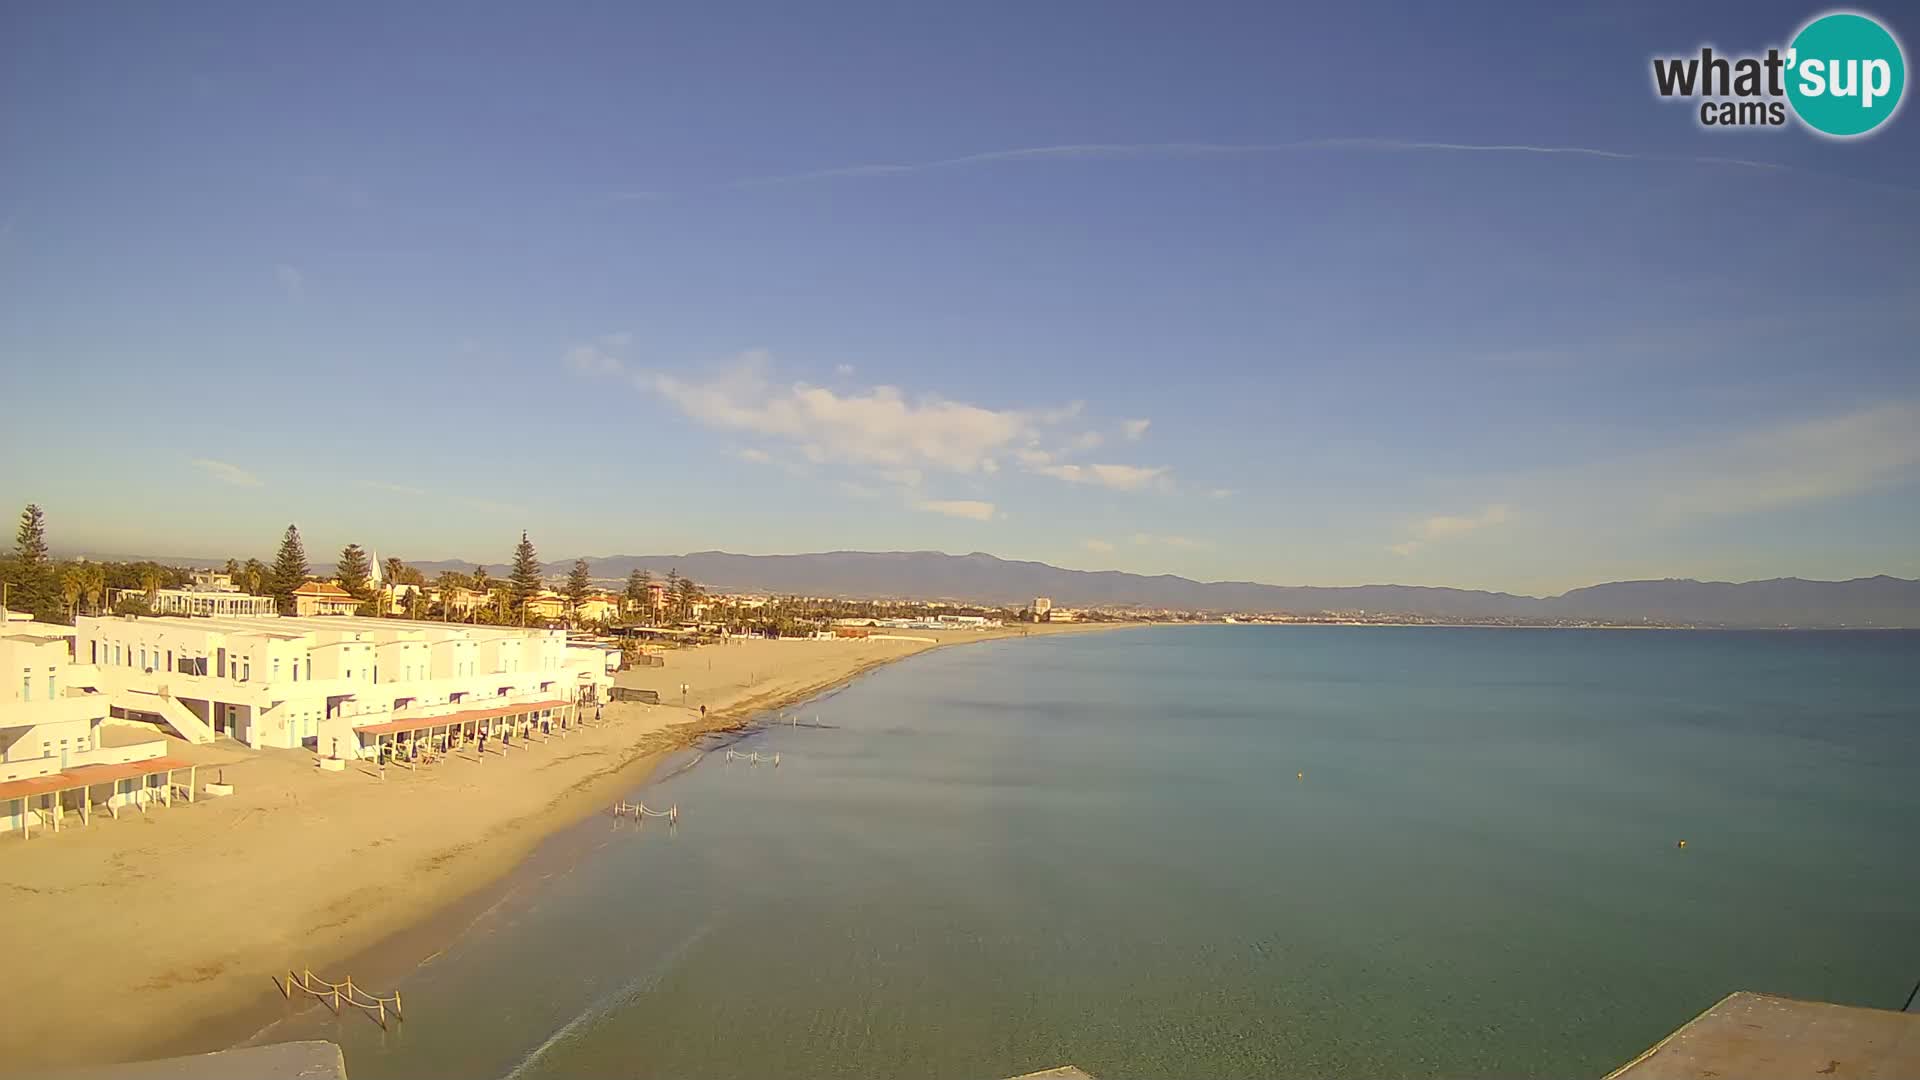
(1097, 849)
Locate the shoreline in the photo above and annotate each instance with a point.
(383, 915)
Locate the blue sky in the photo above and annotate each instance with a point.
(1292, 295)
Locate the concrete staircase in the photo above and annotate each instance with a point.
(175, 716)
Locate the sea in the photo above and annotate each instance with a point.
(1221, 851)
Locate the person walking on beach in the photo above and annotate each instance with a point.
(483, 740)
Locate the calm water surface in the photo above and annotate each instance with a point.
(1098, 849)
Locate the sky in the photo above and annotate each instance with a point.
(1330, 294)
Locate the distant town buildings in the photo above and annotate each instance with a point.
(1041, 606)
(323, 598)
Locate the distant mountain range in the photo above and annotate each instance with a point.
(932, 575)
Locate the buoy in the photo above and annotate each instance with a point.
(1301, 775)
(1683, 843)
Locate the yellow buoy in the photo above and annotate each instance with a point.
(1301, 775)
(1683, 843)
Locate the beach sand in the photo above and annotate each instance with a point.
(158, 934)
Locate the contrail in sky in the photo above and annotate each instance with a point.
(1113, 151)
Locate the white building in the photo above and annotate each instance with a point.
(317, 681)
(59, 749)
(1041, 606)
(209, 593)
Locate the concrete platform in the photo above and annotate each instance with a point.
(1757, 1035)
(313, 1060)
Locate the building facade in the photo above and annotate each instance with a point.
(310, 682)
(323, 598)
(54, 721)
(209, 593)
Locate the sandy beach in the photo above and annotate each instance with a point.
(139, 936)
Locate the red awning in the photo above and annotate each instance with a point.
(35, 785)
(421, 723)
(89, 775)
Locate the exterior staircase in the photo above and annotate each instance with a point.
(175, 716)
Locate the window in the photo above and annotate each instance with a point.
(143, 656)
(309, 669)
(26, 686)
(52, 682)
(246, 668)
(276, 669)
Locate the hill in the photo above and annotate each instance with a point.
(979, 577)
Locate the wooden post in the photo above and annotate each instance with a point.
(193, 780)
(398, 1015)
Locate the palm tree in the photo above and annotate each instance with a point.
(95, 585)
(151, 581)
(73, 585)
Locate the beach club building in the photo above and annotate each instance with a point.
(334, 684)
(61, 753)
(209, 593)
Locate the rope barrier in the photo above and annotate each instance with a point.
(754, 758)
(642, 810)
(336, 994)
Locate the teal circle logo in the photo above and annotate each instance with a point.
(1845, 74)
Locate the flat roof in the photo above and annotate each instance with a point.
(420, 723)
(1748, 1034)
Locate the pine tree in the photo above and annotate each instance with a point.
(689, 594)
(579, 582)
(355, 572)
(636, 589)
(525, 578)
(672, 596)
(289, 570)
(35, 587)
(30, 543)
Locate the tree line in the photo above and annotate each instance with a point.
(53, 590)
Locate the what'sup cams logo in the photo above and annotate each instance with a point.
(1843, 75)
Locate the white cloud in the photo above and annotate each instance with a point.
(594, 360)
(1086, 440)
(292, 281)
(1032, 457)
(1117, 477)
(1134, 429)
(1185, 543)
(879, 428)
(1444, 526)
(227, 473)
(843, 370)
(758, 457)
(1220, 493)
(396, 489)
(1098, 547)
(1405, 547)
(972, 509)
